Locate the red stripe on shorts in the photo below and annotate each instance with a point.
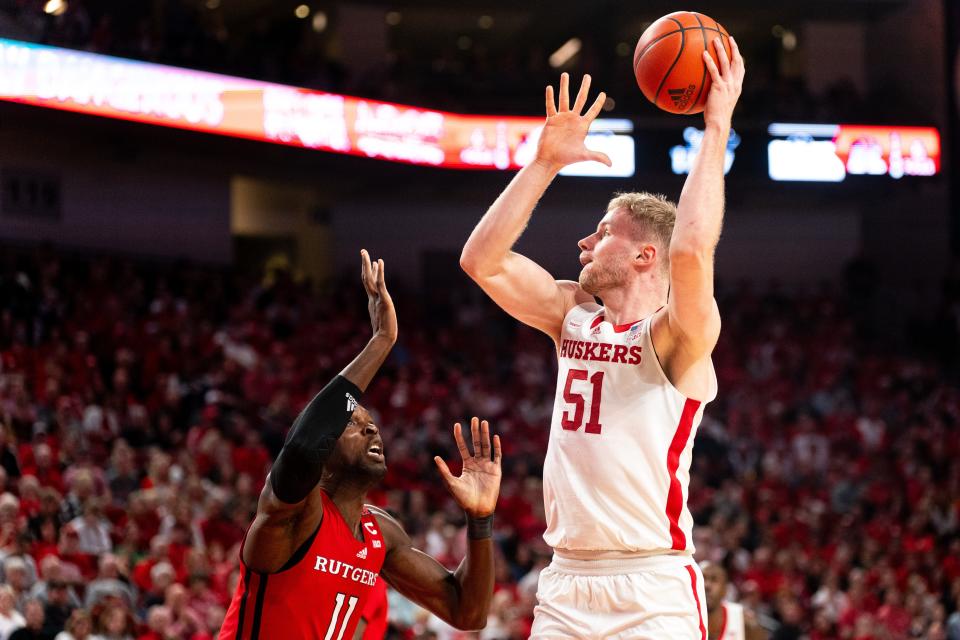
(693, 585)
(675, 494)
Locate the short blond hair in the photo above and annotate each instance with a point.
(653, 214)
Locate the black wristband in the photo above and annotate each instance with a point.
(480, 528)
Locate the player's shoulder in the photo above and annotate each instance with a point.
(387, 521)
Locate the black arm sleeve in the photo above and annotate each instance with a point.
(311, 440)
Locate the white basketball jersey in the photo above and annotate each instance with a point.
(617, 468)
(733, 626)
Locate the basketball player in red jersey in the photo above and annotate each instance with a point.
(373, 618)
(633, 375)
(315, 551)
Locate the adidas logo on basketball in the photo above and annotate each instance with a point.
(681, 97)
(362, 554)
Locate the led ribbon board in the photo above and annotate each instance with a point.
(831, 152)
(173, 97)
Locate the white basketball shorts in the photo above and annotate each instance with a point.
(653, 598)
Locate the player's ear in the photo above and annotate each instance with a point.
(646, 255)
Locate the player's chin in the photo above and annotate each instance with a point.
(587, 283)
(376, 469)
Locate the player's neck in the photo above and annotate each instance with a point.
(636, 301)
(349, 498)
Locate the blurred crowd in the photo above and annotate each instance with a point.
(458, 72)
(141, 406)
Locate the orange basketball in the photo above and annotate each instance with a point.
(668, 60)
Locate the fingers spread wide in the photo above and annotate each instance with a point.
(475, 436)
(597, 105)
(551, 103)
(444, 469)
(485, 440)
(564, 92)
(461, 445)
(582, 94)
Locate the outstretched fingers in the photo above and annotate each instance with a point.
(600, 156)
(366, 271)
(551, 103)
(381, 278)
(448, 477)
(461, 444)
(564, 92)
(597, 105)
(497, 451)
(485, 440)
(581, 100)
(475, 435)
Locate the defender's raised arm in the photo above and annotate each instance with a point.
(461, 597)
(274, 535)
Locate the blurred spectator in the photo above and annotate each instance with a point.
(58, 607)
(17, 576)
(123, 477)
(52, 570)
(111, 581)
(33, 629)
(162, 576)
(93, 530)
(186, 620)
(10, 618)
(8, 458)
(159, 624)
(78, 626)
(113, 623)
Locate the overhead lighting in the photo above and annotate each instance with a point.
(565, 53)
(485, 22)
(464, 43)
(212, 4)
(624, 49)
(609, 104)
(393, 18)
(789, 40)
(55, 7)
(302, 11)
(319, 22)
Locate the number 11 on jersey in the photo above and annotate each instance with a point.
(351, 603)
(575, 421)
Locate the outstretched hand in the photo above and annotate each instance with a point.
(727, 82)
(383, 317)
(478, 486)
(561, 142)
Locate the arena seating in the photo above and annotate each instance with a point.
(141, 405)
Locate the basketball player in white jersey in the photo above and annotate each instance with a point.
(634, 376)
(727, 620)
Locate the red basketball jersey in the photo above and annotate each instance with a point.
(375, 613)
(319, 594)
